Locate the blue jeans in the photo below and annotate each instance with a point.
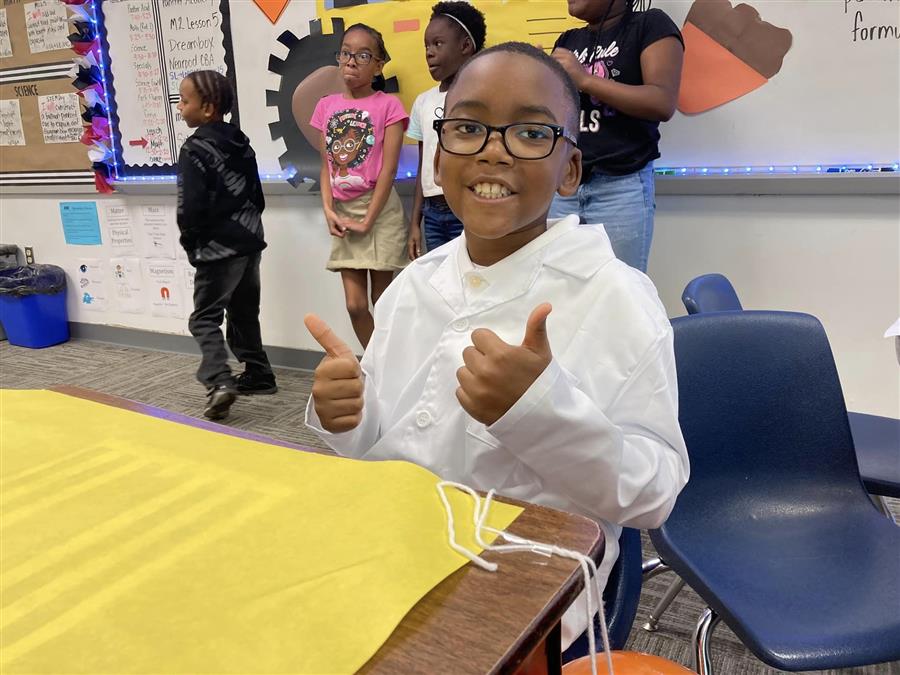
(624, 204)
(439, 223)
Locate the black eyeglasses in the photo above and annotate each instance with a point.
(522, 140)
(362, 58)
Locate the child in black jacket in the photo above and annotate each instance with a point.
(220, 204)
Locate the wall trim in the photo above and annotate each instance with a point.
(280, 357)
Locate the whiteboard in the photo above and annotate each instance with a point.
(152, 45)
(835, 101)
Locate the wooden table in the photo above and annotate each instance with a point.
(474, 621)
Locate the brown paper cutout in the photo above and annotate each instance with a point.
(729, 52)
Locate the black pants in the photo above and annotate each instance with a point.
(228, 286)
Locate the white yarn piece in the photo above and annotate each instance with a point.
(588, 566)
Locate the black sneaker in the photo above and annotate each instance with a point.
(218, 401)
(249, 383)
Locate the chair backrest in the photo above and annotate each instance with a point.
(710, 293)
(762, 412)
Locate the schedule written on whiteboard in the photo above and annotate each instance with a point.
(153, 45)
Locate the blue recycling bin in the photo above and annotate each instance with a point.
(33, 305)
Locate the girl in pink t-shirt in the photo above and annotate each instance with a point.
(362, 131)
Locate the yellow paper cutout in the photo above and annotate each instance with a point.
(132, 544)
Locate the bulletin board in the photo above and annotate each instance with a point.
(40, 112)
(827, 96)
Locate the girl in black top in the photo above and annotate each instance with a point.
(627, 65)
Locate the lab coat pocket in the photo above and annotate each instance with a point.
(477, 433)
(491, 465)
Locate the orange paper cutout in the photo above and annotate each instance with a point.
(272, 8)
(405, 25)
(711, 75)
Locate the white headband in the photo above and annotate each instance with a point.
(468, 32)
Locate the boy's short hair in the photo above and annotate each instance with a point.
(467, 14)
(538, 55)
(214, 89)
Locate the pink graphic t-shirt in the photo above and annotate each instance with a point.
(354, 139)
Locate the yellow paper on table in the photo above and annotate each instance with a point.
(132, 544)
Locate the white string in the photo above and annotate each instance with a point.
(588, 566)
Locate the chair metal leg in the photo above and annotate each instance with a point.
(653, 567)
(702, 635)
(656, 613)
(882, 505)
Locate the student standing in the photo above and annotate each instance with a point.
(470, 375)
(362, 131)
(220, 205)
(627, 65)
(455, 32)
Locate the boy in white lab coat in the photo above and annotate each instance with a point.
(468, 372)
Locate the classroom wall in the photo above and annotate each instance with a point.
(836, 257)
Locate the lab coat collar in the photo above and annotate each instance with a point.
(514, 275)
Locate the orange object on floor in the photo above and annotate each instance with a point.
(627, 663)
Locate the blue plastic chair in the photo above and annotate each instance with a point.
(774, 529)
(877, 439)
(620, 598)
(710, 293)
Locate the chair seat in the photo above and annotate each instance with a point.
(877, 441)
(811, 552)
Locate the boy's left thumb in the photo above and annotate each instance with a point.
(536, 338)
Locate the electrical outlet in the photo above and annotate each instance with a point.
(29, 255)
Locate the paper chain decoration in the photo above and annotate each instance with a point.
(88, 79)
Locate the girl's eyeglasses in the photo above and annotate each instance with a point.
(362, 58)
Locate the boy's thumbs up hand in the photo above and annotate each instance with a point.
(338, 387)
(497, 374)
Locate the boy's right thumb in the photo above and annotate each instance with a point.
(330, 342)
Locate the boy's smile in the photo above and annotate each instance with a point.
(502, 200)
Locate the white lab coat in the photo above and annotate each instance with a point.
(597, 433)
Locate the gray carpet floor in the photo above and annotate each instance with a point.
(167, 380)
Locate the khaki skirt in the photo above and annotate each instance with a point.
(382, 248)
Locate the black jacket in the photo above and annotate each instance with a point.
(220, 199)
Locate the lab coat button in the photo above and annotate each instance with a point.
(460, 325)
(423, 419)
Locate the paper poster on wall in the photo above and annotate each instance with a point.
(158, 231)
(5, 45)
(47, 26)
(188, 273)
(80, 223)
(164, 288)
(91, 285)
(119, 228)
(60, 118)
(129, 291)
(152, 46)
(11, 133)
